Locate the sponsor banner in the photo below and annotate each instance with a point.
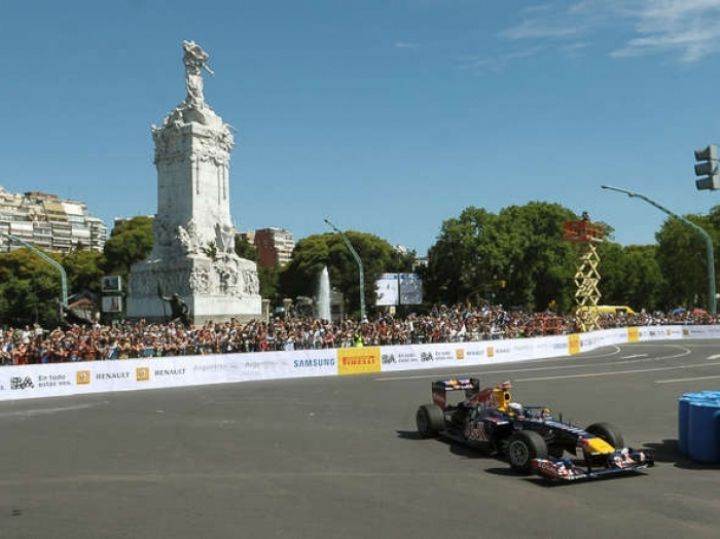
(633, 334)
(360, 360)
(573, 344)
(700, 332)
(35, 381)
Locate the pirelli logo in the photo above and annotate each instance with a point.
(358, 360)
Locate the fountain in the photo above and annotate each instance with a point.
(322, 301)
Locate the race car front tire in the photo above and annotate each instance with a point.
(524, 446)
(607, 433)
(430, 420)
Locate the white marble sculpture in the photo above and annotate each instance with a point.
(193, 251)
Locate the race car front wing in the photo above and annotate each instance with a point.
(621, 461)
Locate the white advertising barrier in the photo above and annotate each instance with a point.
(699, 332)
(51, 380)
(36, 381)
(429, 356)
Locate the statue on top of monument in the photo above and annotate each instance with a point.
(195, 60)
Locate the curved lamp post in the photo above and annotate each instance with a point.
(709, 251)
(359, 263)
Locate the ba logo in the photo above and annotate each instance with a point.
(82, 377)
(142, 374)
(426, 356)
(460, 353)
(18, 382)
(388, 358)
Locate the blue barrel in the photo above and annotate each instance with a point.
(683, 423)
(703, 439)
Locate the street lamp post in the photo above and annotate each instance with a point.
(709, 251)
(46, 258)
(359, 263)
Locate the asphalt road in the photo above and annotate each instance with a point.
(338, 458)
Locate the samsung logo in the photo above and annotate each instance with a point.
(302, 363)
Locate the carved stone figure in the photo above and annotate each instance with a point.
(195, 60)
(224, 238)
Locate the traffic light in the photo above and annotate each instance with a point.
(707, 166)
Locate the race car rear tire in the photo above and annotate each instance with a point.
(430, 420)
(608, 433)
(523, 446)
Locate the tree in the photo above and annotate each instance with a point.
(300, 276)
(84, 270)
(630, 276)
(464, 258)
(130, 241)
(517, 257)
(30, 289)
(681, 256)
(245, 249)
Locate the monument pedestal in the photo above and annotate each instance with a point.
(216, 290)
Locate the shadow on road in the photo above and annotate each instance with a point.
(668, 451)
(456, 448)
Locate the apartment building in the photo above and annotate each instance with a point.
(51, 223)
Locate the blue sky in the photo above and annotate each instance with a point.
(385, 116)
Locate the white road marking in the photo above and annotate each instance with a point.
(49, 411)
(685, 352)
(637, 355)
(714, 356)
(612, 373)
(676, 380)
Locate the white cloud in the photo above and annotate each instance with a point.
(500, 61)
(689, 30)
(538, 28)
(406, 45)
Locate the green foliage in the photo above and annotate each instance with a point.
(517, 257)
(245, 249)
(681, 255)
(130, 241)
(270, 284)
(300, 276)
(84, 270)
(630, 276)
(29, 288)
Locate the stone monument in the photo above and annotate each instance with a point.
(193, 252)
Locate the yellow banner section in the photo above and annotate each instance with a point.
(142, 374)
(490, 351)
(82, 377)
(358, 360)
(573, 344)
(633, 334)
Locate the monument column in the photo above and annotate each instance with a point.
(193, 252)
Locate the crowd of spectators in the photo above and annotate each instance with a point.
(443, 324)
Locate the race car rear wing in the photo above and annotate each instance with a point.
(440, 388)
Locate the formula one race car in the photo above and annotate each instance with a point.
(528, 436)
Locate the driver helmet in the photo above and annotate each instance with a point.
(515, 408)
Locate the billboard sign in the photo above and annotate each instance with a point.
(399, 289)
